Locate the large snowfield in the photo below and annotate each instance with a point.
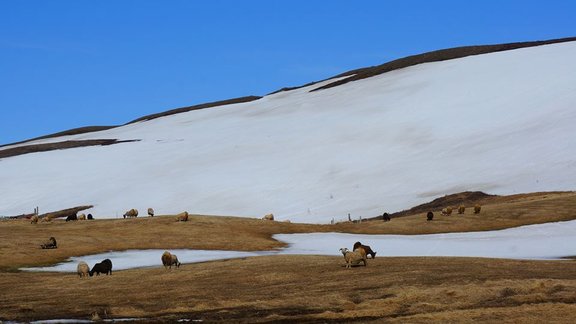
(502, 123)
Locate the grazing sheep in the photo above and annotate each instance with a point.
(268, 217)
(34, 219)
(447, 211)
(477, 209)
(182, 217)
(150, 212)
(461, 209)
(430, 216)
(386, 217)
(169, 259)
(131, 213)
(90, 217)
(102, 267)
(83, 269)
(50, 244)
(82, 217)
(366, 248)
(353, 258)
(71, 218)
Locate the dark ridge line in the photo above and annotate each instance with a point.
(73, 131)
(434, 56)
(196, 107)
(36, 148)
(90, 129)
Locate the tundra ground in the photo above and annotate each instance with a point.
(288, 288)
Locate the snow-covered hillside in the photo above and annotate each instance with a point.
(502, 123)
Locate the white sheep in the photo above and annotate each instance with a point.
(150, 212)
(83, 269)
(268, 217)
(353, 258)
(81, 216)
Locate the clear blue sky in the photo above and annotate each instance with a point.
(74, 63)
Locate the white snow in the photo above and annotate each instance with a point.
(501, 123)
(542, 241)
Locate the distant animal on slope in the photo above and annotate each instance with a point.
(150, 212)
(131, 213)
(81, 217)
(447, 211)
(366, 248)
(71, 218)
(430, 216)
(34, 219)
(268, 217)
(50, 244)
(461, 209)
(169, 259)
(102, 267)
(83, 269)
(353, 257)
(477, 209)
(386, 217)
(90, 217)
(182, 217)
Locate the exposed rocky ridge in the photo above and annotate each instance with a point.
(35, 148)
(434, 56)
(196, 107)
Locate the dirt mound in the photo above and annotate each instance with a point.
(467, 198)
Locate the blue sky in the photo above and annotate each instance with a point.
(75, 63)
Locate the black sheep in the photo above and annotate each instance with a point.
(366, 248)
(386, 217)
(102, 267)
(72, 218)
(429, 216)
(90, 216)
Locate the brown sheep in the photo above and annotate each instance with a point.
(461, 209)
(182, 217)
(34, 219)
(353, 258)
(83, 269)
(131, 213)
(477, 209)
(150, 212)
(447, 211)
(50, 244)
(268, 217)
(169, 259)
(81, 217)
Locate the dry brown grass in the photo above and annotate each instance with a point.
(287, 288)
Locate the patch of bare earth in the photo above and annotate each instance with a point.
(287, 288)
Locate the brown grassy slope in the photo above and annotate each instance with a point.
(306, 288)
(288, 288)
(22, 239)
